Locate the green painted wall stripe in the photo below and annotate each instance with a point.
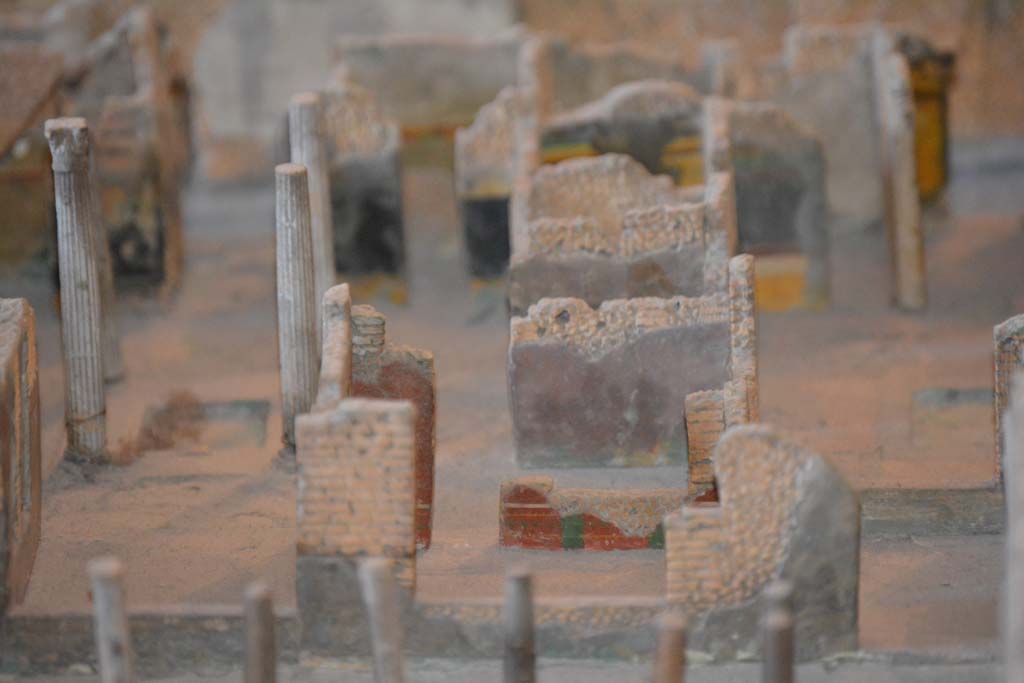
(572, 532)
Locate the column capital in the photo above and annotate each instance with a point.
(69, 143)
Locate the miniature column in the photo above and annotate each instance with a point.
(296, 306)
(670, 665)
(260, 648)
(381, 596)
(1013, 587)
(777, 634)
(81, 316)
(113, 641)
(520, 658)
(308, 136)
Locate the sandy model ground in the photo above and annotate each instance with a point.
(200, 511)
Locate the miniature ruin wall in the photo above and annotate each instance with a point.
(357, 362)
(688, 346)
(603, 228)
(779, 168)
(782, 512)
(484, 174)
(1009, 360)
(800, 499)
(657, 122)
(357, 481)
(364, 153)
(430, 84)
(668, 129)
(810, 515)
(781, 205)
(781, 150)
(20, 467)
(552, 79)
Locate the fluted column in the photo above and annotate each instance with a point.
(296, 304)
(308, 137)
(84, 397)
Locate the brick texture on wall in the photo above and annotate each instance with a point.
(357, 480)
(357, 361)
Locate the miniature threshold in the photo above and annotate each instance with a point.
(683, 397)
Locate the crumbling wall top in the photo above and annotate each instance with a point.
(1013, 327)
(614, 323)
(484, 151)
(601, 189)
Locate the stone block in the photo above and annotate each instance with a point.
(365, 181)
(784, 513)
(603, 228)
(536, 515)
(20, 464)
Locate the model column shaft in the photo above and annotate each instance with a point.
(296, 304)
(308, 137)
(81, 313)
